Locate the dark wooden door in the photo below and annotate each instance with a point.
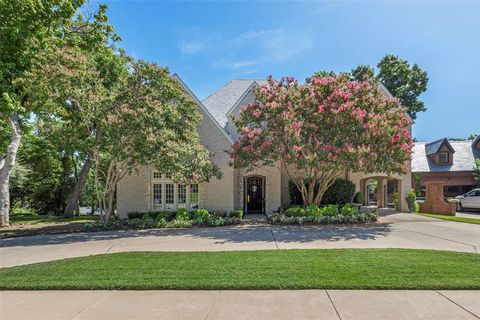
(255, 195)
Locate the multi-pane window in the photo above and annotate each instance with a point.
(194, 196)
(169, 196)
(182, 196)
(168, 176)
(157, 196)
(443, 157)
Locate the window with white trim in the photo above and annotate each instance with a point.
(169, 196)
(157, 196)
(182, 196)
(194, 196)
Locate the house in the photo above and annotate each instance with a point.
(452, 162)
(262, 191)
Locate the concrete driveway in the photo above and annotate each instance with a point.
(261, 304)
(398, 230)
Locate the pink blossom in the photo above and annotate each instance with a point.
(321, 108)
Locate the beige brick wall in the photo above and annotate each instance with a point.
(133, 192)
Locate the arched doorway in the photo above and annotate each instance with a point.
(254, 194)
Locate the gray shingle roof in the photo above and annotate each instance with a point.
(222, 100)
(463, 159)
(432, 147)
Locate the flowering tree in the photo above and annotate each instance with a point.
(318, 131)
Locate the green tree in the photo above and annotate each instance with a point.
(26, 27)
(404, 81)
(57, 85)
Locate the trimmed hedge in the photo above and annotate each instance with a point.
(238, 213)
(340, 192)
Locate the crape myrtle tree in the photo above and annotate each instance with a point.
(151, 120)
(25, 29)
(319, 130)
(142, 117)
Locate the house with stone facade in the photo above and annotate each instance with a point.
(261, 191)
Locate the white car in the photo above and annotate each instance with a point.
(470, 200)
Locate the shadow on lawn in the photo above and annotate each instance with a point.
(220, 235)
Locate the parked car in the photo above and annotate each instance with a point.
(470, 200)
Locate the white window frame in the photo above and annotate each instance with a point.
(162, 180)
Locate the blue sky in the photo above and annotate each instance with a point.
(210, 43)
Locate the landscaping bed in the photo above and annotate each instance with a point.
(170, 219)
(329, 214)
(271, 269)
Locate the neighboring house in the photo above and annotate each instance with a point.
(261, 191)
(452, 162)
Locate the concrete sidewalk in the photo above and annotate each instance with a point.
(394, 231)
(210, 305)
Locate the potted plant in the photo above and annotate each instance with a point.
(411, 200)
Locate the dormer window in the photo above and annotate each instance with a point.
(443, 157)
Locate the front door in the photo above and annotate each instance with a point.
(255, 195)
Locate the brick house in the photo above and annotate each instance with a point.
(262, 191)
(452, 162)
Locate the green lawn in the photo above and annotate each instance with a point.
(451, 218)
(22, 219)
(274, 269)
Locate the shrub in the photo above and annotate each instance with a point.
(330, 210)
(161, 223)
(411, 199)
(182, 223)
(238, 213)
(395, 200)
(147, 217)
(201, 214)
(219, 214)
(295, 212)
(313, 211)
(340, 192)
(135, 215)
(416, 207)
(347, 210)
(182, 214)
(359, 198)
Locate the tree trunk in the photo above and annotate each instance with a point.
(79, 185)
(6, 170)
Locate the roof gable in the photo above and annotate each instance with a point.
(202, 108)
(434, 147)
(464, 159)
(222, 102)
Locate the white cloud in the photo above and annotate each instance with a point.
(251, 48)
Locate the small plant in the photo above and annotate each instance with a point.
(416, 207)
(147, 217)
(182, 223)
(411, 200)
(348, 211)
(182, 214)
(295, 212)
(395, 200)
(313, 211)
(201, 215)
(161, 223)
(219, 214)
(238, 213)
(330, 210)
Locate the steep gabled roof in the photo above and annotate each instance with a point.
(202, 107)
(464, 159)
(221, 101)
(433, 147)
